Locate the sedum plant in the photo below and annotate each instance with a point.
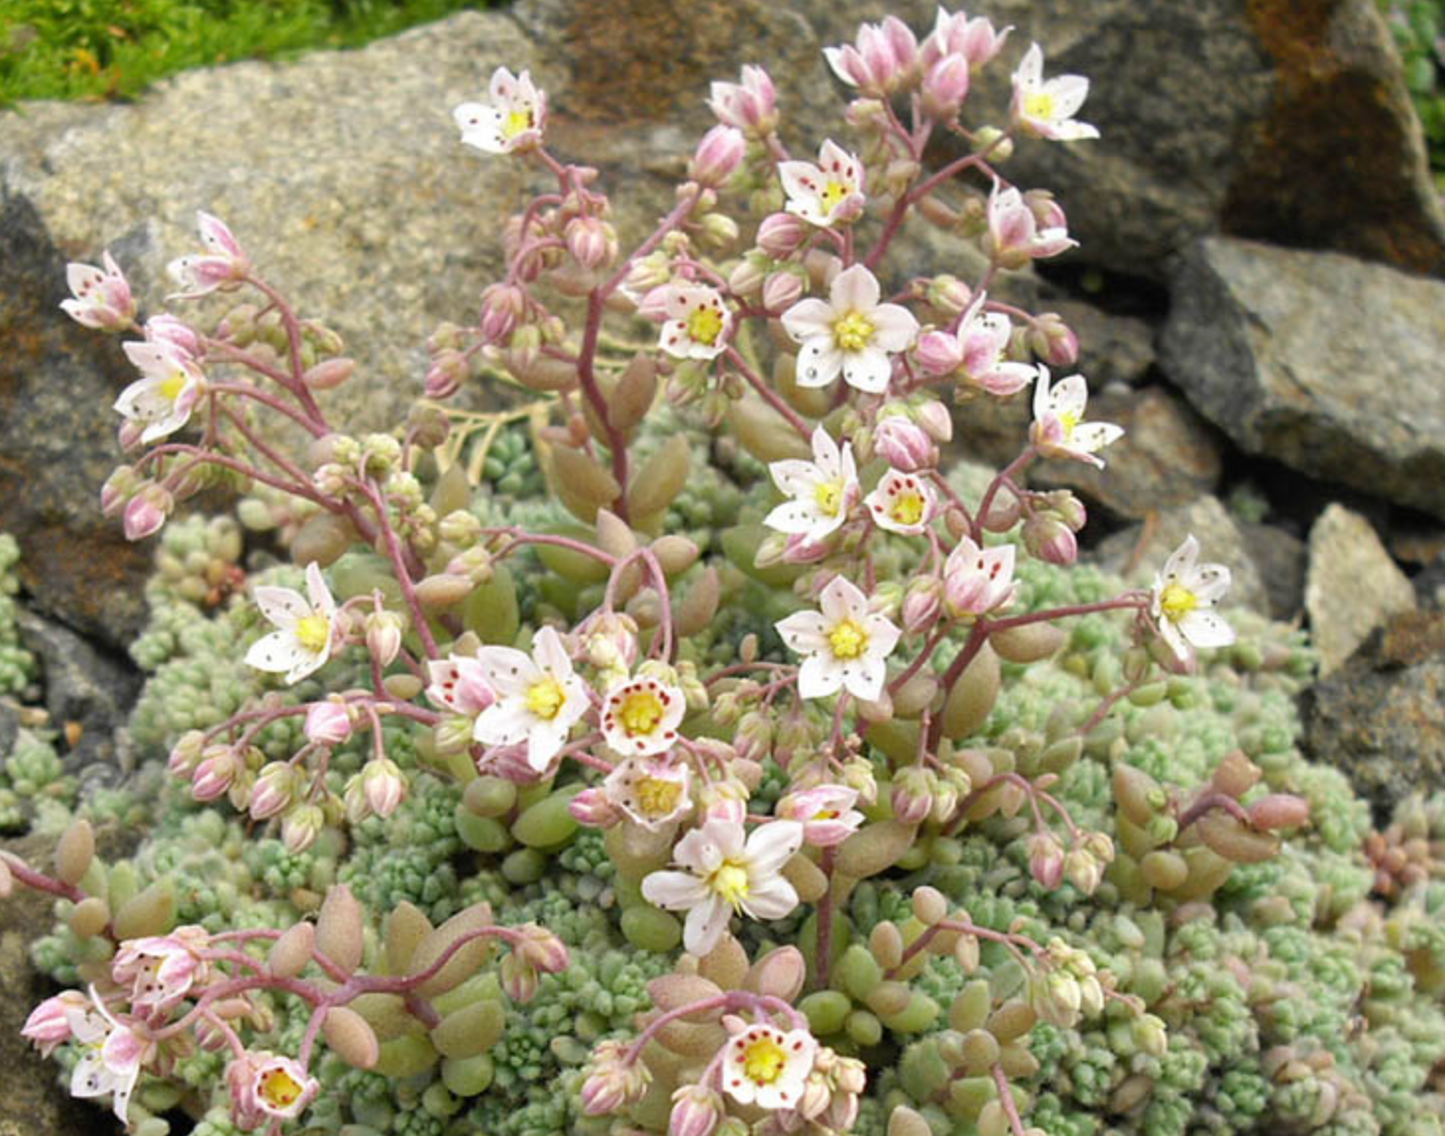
(775, 773)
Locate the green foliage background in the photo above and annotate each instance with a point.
(1419, 27)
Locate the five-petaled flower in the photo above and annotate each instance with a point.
(698, 322)
(640, 716)
(902, 503)
(651, 792)
(831, 191)
(161, 400)
(264, 1084)
(983, 339)
(1045, 108)
(845, 644)
(459, 683)
(111, 1059)
(978, 580)
(764, 1066)
(850, 332)
(512, 121)
(821, 490)
(223, 265)
(1183, 600)
(1059, 429)
(539, 698)
(726, 875)
(307, 628)
(160, 970)
(1018, 234)
(101, 297)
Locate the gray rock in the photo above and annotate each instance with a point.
(1281, 558)
(9, 727)
(1352, 586)
(1329, 365)
(88, 694)
(1137, 553)
(1381, 717)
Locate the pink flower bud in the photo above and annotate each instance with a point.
(749, 105)
(602, 1092)
(1046, 859)
(938, 353)
(186, 753)
(519, 978)
(1050, 540)
(384, 786)
(444, 377)
(592, 809)
(275, 788)
(502, 307)
(922, 604)
(797, 549)
(1048, 213)
(587, 241)
(117, 489)
(781, 291)
(695, 1111)
(945, 87)
(748, 275)
(383, 636)
(48, 1025)
(1083, 870)
(936, 420)
(1067, 508)
(912, 795)
(780, 234)
(1053, 341)
(717, 156)
(168, 330)
(146, 512)
(216, 770)
(541, 949)
(328, 723)
(300, 827)
(1279, 810)
(128, 433)
(904, 445)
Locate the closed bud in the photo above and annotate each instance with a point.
(904, 444)
(383, 636)
(717, 156)
(1052, 340)
(781, 234)
(118, 489)
(329, 374)
(1046, 859)
(445, 374)
(1083, 870)
(275, 788)
(945, 87)
(384, 786)
(213, 775)
(186, 753)
(938, 353)
(781, 290)
(1050, 540)
(696, 1111)
(913, 794)
(300, 826)
(146, 512)
(328, 723)
(502, 308)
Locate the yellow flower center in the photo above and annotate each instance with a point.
(826, 814)
(764, 1060)
(704, 325)
(833, 193)
(1177, 601)
(852, 332)
(730, 881)
(517, 122)
(906, 508)
(279, 1089)
(545, 698)
(656, 796)
(1039, 104)
(828, 495)
(1068, 420)
(313, 632)
(848, 640)
(640, 712)
(172, 385)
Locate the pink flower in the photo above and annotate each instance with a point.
(264, 1084)
(512, 121)
(652, 793)
(955, 34)
(161, 970)
(1014, 236)
(328, 723)
(826, 813)
(102, 298)
(48, 1025)
(112, 1057)
(1046, 108)
(459, 684)
(904, 444)
(879, 60)
(223, 265)
(750, 105)
(978, 580)
(984, 337)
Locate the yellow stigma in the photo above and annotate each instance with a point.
(852, 332)
(640, 712)
(764, 1060)
(172, 385)
(906, 509)
(279, 1089)
(828, 495)
(1068, 420)
(730, 882)
(516, 122)
(656, 796)
(313, 632)
(1039, 104)
(848, 640)
(833, 193)
(545, 698)
(704, 325)
(1177, 601)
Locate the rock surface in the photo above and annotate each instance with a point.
(1329, 365)
(1381, 717)
(1353, 586)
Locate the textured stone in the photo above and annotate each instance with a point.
(1352, 587)
(1381, 717)
(1327, 364)
(1281, 558)
(1137, 553)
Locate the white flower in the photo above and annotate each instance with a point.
(653, 793)
(539, 699)
(111, 1059)
(278, 1086)
(512, 121)
(852, 333)
(762, 1065)
(698, 322)
(845, 644)
(724, 875)
(1185, 593)
(640, 717)
(223, 265)
(1046, 109)
(163, 398)
(1059, 429)
(306, 633)
(101, 297)
(984, 339)
(902, 503)
(821, 490)
(828, 192)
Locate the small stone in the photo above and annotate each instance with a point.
(1352, 587)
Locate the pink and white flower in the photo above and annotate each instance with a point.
(307, 628)
(976, 39)
(825, 812)
(904, 444)
(879, 60)
(726, 875)
(224, 264)
(902, 503)
(513, 120)
(751, 105)
(161, 400)
(640, 716)
(698, 324)
(459, 683)
(831, 191)
(653, 793)
(267, 1084)
(1046, 108)
(161, 970)
(764, 1066)
(48, 1025)
(111, 1059)
(844, 644)
(539, 698)
(1183, 600)
(978, 580)
(850, 332)
(101, 297)
(984, 339)
(1015, 235)
(327, 723)
(821, 491)
(1059, 430)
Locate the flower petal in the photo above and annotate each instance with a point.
(1206, 628)
(673, 891)
(277, 653)
(819, 362)
(854, 290)
(771, 846)
(808, 318)
(819, 676)
(868, 370)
